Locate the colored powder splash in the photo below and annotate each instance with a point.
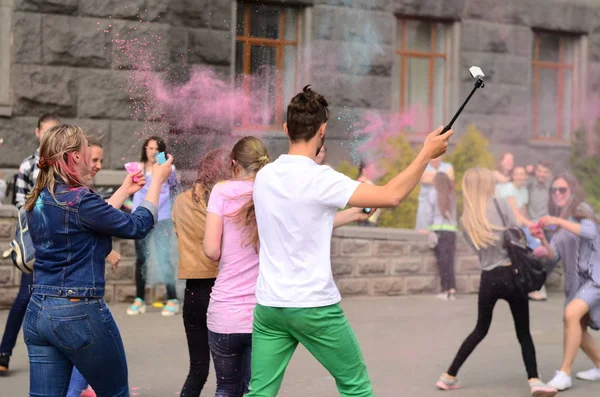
(205, 104)
(370, 135)
(196, 113)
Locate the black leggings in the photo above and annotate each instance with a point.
(444, 253)
(498, 284)
(195, 305)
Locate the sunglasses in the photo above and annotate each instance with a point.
(561, 190)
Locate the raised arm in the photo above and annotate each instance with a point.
(128, 188)
(98, 216)
(397, 189)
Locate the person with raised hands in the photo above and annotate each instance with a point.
(68, 322)
(296, 202)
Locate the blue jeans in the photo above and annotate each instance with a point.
(61, 333)
(15, 316)
(77, 384)
(231, 358)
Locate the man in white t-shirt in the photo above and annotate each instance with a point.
(297, 299)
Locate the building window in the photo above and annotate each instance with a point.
(267, 60)
(555, 76)
(5, 55)
(422, 70)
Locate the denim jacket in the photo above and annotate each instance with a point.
(72, 236)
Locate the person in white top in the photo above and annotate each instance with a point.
(297, 299)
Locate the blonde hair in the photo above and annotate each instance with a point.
(252, 155)
(56, 161)
(478, 187)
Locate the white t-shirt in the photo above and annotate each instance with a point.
(295, 201)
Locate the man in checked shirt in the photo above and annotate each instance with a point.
(28, 172)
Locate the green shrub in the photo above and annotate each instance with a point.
(470, 151)
(586, 167)
(348, 169)
(404, 215)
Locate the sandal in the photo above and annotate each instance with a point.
(171, 308)
(138, 307)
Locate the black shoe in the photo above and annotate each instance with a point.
(4, 359)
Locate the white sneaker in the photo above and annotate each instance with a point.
(590, 374)
(443, 296)
(561, 381)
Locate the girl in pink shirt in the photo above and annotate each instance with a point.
(231, 237)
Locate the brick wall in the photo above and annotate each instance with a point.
(365, 261)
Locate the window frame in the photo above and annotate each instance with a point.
(561, 66)
(6, 43)
(280, 44)
(449, 55)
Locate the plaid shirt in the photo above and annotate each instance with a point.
(28, 172)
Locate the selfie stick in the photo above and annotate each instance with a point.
(478, 74)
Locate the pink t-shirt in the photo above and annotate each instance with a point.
(232, 300)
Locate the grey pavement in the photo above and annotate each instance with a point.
(407, 342)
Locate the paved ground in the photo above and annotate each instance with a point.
(407, 342)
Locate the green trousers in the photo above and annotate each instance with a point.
(326, 334)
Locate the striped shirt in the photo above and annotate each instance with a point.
(28, 172)
(581, 258)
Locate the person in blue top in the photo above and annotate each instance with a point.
(68, 322)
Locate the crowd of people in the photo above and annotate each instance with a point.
(253, 237)
(526, 189)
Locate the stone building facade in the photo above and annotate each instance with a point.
(541, 58)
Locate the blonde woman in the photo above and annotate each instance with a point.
(482, 227)
(68, 322)
(231, 238)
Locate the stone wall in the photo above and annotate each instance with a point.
(365, 261)
(66, 60)
(10, 276)
(379, 261)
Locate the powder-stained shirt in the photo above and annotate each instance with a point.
(232, 299)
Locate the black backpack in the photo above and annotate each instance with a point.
(529, 271)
